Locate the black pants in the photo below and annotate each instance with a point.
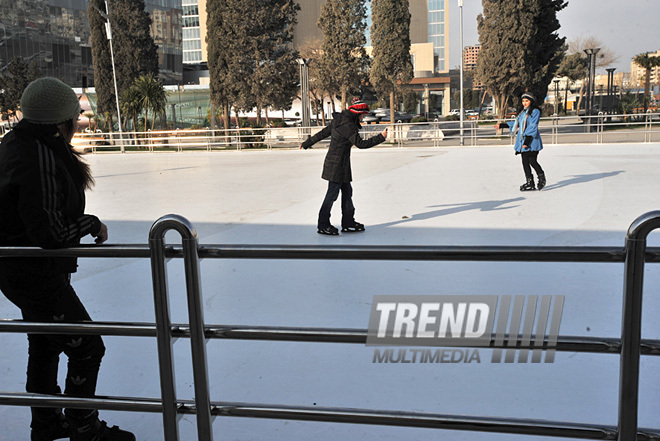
(529, 161)
(51, 298)
(347, 208)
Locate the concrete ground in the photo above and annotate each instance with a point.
(405, 196)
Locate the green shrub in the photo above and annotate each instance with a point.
(452, 118)
(418, 119)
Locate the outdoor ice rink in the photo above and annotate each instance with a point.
(404, 196)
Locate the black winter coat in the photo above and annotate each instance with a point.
(42, 199)
(344, 129)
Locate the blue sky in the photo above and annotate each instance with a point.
(626, 27)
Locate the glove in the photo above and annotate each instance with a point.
(528, 141)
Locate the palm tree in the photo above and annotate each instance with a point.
(131, 104)
(152, 96)
(648, 63)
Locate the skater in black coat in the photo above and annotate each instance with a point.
(344, 132)
(42, 204)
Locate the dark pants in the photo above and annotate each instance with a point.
(529, 161)
(347, 208)
(50, 298)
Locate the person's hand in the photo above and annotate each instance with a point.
(497, 126)
(384, 133)
(102, 235)
(301, 145)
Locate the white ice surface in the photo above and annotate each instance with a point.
(410, 196)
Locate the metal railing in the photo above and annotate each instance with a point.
(630, 346)
(599, 128)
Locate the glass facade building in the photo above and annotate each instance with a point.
(437, 30)
(55, 35)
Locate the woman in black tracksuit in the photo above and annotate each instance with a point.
(345, 133)
(42, 204)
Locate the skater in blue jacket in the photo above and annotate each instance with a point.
(528, 140)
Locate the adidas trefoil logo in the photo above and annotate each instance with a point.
(74, 343)
(77, 380)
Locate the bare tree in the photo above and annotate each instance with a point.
(606, 56)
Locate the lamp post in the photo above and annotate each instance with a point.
(591, 53)
(304, 92)
(460, 8)
(556, 96)
(108, 33)
(610, 83)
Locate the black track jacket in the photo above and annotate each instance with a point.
(42, 199)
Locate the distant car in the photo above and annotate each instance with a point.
(371, 117)
(472, 114)
(399, 117)
(455, 112)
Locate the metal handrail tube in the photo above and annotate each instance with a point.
(195, 315)
(426, 420)
(420, 253)
(631, 322)
(119, 250)
(97, 402)
(603, 345)
(338, 415)
(164, 336)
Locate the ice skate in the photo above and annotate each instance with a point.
(355, 228)
(329, 231)
(541, 183)
(93, 429)
(528, 186)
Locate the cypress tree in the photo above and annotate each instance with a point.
(135, 52)
(390, 37)
(13, 82)
(344, 61)
(520, 48)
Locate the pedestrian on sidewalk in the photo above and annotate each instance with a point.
(344, 132)
(528, 140)
(42, 204)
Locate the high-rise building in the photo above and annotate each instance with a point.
(55, 35)
(638, 74)
(470, 55)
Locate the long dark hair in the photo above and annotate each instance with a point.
(82, 165)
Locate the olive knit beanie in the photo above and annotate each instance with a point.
(49, 101)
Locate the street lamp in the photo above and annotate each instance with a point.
(556, 95)
(108, 33)
(610, 83)
(304, 92)
(460, 8)
(591, 53)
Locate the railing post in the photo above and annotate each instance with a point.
(163, 326)
(631, 323)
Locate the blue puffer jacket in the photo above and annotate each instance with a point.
(528, 135)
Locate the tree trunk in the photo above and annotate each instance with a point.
(579, 104)
(258, 115)
(392, 112)
(266, 113)
(647, 88)
(343, 99)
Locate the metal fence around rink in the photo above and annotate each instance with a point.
(630, 346)
(596, 129)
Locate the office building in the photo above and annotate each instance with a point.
(55, 35)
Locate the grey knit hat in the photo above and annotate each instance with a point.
(49, 101)
(529, 95)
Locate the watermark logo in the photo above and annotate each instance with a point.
(467, 322)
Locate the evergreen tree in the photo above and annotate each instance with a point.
(275, 78)
(390, 36)
(520, 48)
(135, 52)
(344, 61)
(103, 80)
(13, 82)
(223, 35)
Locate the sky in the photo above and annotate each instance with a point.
(626, 27)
